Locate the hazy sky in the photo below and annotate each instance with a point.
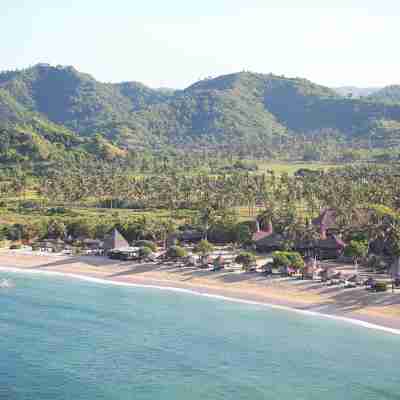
(172, 43)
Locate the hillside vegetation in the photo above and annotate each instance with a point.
(53, 112)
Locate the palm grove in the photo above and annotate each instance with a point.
(365, 199)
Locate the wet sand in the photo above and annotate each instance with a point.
(375, 308)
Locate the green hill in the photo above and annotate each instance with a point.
(59, 110)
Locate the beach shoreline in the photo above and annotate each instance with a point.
(360, 308)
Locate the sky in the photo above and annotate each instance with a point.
(173, 43)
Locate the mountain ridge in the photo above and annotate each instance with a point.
(240, 109)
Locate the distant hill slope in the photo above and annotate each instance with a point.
(356, 92)
(390, 94)
(68, 111)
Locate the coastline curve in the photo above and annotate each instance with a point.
(194, 292)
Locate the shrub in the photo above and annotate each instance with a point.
(145, 252)
(296, 260)
(15, 246)
(176, 252)
(280, 259)
(102, 230)
(81, 228)
(204, 247)
(380, 287)
(3, 244)
(288, 259)
(146, 243)
(30, 205)
(57, 211)
(4, 232)
(243, 233)
(56, 229)
(246, 259)
(15, 232)
(245, 166)
(356, 249)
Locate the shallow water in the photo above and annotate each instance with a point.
(67, 339)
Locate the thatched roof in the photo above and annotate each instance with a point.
(304, 244)
(332, 242)
(190, 235)
(261, 234)
(275, 240)
(326, 220)
(115, 241)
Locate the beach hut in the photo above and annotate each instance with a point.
(286, 270)
(310, 268)
(325, 221)
(220, 263)
(305, 247)
(129, 253)
(114, 241)
(92, 246)
(270, 243)
(267, 240)
(50, 245)
(260, 234)
(190, 236)
(330, 248)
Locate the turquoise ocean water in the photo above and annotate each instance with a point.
(65, 339)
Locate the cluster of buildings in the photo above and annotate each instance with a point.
(327, 246)
(112, 242)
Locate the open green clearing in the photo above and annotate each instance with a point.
(291, 168)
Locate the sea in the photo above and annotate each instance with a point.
(66, 339)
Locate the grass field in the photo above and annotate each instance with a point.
(11, 216)
(291, 168)
(14, 214)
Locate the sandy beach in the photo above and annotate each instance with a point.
(374, 308)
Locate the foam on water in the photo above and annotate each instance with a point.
(309, 313)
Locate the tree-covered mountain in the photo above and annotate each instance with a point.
(49, 111)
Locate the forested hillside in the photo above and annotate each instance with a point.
(48, 112)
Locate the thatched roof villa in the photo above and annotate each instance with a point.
(114, 241)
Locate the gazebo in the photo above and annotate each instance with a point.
(114, 241)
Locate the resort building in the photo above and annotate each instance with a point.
(114, 241)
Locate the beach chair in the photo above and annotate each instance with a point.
(335, 279)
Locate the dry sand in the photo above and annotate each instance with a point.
(377, 308)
